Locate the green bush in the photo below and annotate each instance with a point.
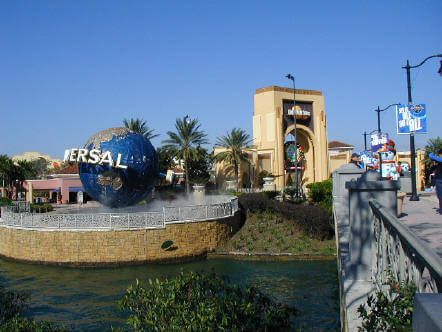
(41, 208)
(390, 311)
(12, 306)
(5, 201)
(202, 302)
(271, 193)
(321, 193)
(313, 221)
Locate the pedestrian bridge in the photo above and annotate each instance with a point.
(372, 240)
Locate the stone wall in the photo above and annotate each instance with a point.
(116, 246)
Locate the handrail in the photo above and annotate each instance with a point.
(419, 263)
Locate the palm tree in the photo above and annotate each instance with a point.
(139, 126)
(235, 142)
(185, 142)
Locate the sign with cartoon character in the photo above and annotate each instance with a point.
(389, 168)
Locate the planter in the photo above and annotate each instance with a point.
(269, 185)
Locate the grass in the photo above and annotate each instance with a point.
(267, 232)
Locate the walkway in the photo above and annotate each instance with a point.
(422, 218)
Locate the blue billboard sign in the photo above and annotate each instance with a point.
(411, 119)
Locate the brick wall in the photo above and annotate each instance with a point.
(116, 246)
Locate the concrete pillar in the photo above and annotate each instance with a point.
(427, 312)
(30, 193)
(64, 193)
(342, 175)
(361, 241)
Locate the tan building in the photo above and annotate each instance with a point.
(34, 155)
(339, 154)
(273, 133)
(405, 156)
(273, 138)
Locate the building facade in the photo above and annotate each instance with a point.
(274, 130)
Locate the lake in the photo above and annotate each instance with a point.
(87, 299)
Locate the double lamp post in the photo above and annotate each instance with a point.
(414, 196)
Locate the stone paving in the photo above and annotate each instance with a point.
(422, 218)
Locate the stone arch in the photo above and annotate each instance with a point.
(307, 139)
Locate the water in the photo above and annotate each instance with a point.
(86, 299)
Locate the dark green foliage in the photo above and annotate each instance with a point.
(271, 194)
(199, 167)
(321, 193)
(41, 208)
(202, 302)
(434, 145)
(5, 201)
(20, 324)
(165, 159)
(12, 306)
(313, 221)
(391, 311)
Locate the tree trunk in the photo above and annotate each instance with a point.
(236, 172)
(186, 170)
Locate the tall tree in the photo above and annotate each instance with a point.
(433, 146)
(185, 142)
(6, 167)
(139, 126)
(236, 142)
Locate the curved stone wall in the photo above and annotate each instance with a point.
(101, 247)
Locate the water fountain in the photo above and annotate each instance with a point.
(119, 169)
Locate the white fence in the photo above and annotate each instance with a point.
(136, 220)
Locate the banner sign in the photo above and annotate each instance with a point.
(411, 119)
(378, 140)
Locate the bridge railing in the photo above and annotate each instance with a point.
(399, 251)
(135, 220)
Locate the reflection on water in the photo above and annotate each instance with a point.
(87, 298)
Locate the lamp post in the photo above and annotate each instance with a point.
(378, 110)
(290, 77)
(365, 134)
(407, 67)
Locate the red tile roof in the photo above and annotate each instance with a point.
(337, 144)
(69, 169)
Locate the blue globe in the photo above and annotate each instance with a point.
(119, 187)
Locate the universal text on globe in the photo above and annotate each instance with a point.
(94, 156)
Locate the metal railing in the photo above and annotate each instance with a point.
(136, 220)
(402, 253)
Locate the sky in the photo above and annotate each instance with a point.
(69, 69)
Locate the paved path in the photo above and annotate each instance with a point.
(422, 218)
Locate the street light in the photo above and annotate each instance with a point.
(290, 77)
(379, 114)
(414, 196)
(365, 134)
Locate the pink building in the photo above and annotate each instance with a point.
(63, 185)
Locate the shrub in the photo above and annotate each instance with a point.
(5, 201)
(12, 306)
(271, 193)
(41, 208)
(202, 302)
(321, 193)
(390, 311)
(314, 221)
